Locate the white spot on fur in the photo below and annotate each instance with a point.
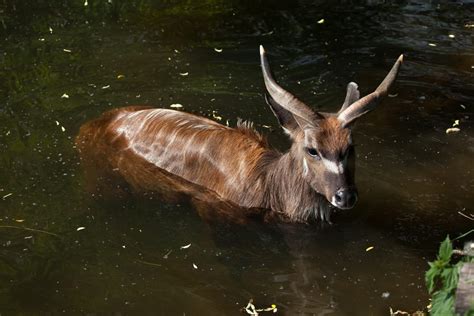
(287, 132)
(305, 167)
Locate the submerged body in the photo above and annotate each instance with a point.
(235, 163)
(145, 146)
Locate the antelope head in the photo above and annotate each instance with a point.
(322, 142)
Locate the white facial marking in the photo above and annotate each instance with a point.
(287, 132)
(305, 167)
(333, 201)
(333, 167)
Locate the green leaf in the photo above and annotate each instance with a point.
(442, 304)
(445, 250)
(430, 277)
(470, 312)
(450, 278)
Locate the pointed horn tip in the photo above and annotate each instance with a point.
(400, 59)
(262, 50)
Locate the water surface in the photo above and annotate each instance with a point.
(63, 63)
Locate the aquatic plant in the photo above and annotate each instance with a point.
(442, 280)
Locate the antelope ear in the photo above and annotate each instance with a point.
(290, 122)
(285, 118)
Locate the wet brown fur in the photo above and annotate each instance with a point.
(332, 139)
(236, 164)
(155, 149)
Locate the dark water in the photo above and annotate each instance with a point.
(413, 179)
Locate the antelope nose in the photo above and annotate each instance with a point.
(345, 198)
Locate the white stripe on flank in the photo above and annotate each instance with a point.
(333, 167)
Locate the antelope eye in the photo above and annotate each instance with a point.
(312, 152)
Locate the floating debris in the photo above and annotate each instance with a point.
(432, 44)
(218, 50)
(6, 195)
(185, 247)
(369, 248)
(106, 87)
(217, 117)
(65, 96)
(148, 263)
(453, 130)
(30, 229)
(195, 266)
(67, 50)
(385, 294)
(86, 3)
(19, 220)
(50, 30)
(63, 129)
(462, 105)
(470, 216)
(184, 74)
(400, 312)
(321, 21)
(451, 36)
(120, 76)
(252, 310)
(176, 106)
(167, 254)
(80, 228)
(393, 95)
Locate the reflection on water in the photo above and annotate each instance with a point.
(64, 63)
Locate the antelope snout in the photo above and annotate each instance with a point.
(345, 198)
